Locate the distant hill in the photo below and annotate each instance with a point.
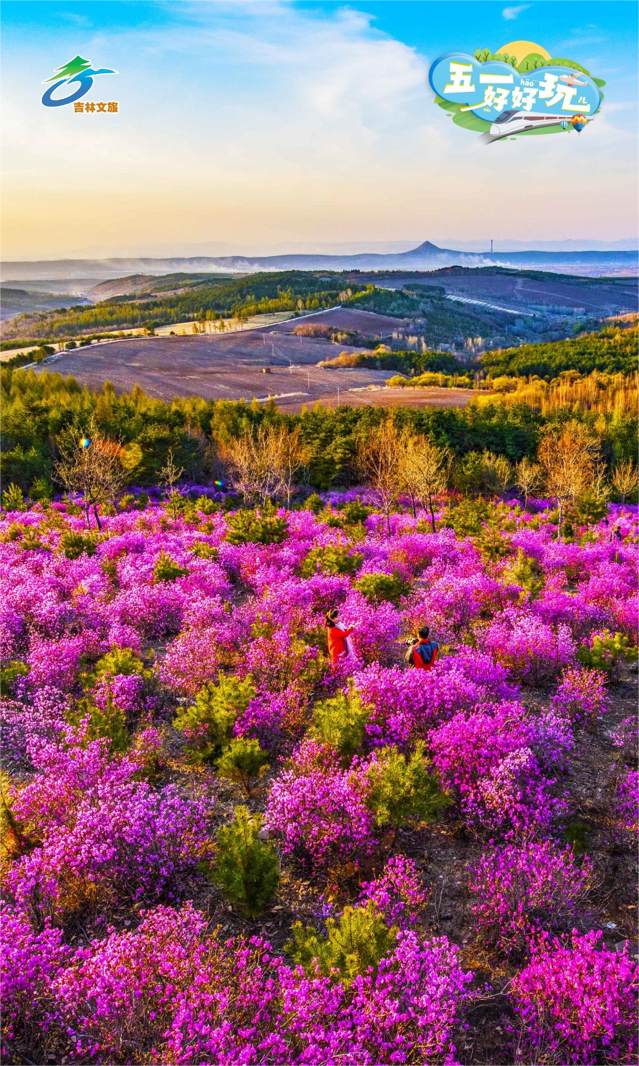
(426, 256)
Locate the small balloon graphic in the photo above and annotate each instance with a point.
(578, 122)
(84, 442)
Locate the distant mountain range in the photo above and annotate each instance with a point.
(426, 256)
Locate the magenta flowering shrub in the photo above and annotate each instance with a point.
(488, 759)
(627, 803)
(522, 889)
(555, 606)
(576, 1002)
(582, 696)
(29, 962)
(57, 663)
(102, 835)
(377, 628)
(625, 739)
(125, 691)
(318, 811)
(406, 704)
(398, 892)
(120, 992)
(457, 599)
(407, 1011)
(408, 1008)
(174, 994)
(532, 651)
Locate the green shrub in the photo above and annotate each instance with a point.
(166, 569)
(379, 587)
(12, 498)
(253, 527)
(491, 543)
(525, 572)
(243, 762)
(341, 723)
(591, 507)
(10, 674)
(209, 722)
(359, 940)
(467, 518)
(16, 837)
(331, 559)
(607, 651)
(203, 550)
(109, 723)
(403, 788)
(120, 661)
(74, 544)
(31, 541)
(205, 505)
(41, 490)
(127, 502)
(355, 512)
(314, 503)
(245, 867)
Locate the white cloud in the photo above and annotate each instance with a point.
(514, 12)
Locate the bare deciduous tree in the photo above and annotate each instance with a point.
(624, 479)
(426, 469)
(97, 472)
(569, 462)
(527, 477)
(380, 461)
(290, 455)
(502, 474)
(170, 474)
(264, 463)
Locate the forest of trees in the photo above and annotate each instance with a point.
(404, 362)
(245, 296)
(442, 321)
(612, 350)
(38, 408)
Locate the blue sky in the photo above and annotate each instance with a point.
(271, 125)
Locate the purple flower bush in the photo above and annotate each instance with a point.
(581, 696)
(30, 961)
(523, 889)
(493, 762)
(318, 810)
(533, 651)
(397, 893)
(627, 805)
(404, 1012)
(101, 834)
(576, 1002)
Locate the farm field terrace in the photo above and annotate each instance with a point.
(219, 848)
(231, 366)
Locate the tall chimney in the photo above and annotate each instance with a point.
(491, 245)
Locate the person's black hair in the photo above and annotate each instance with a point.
(423, 633)
(331, 616)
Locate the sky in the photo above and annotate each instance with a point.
(274, 125)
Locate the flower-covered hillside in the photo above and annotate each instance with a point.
(242, 823)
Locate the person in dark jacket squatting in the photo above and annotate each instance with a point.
(423, 652)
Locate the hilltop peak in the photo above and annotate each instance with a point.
(427, 246)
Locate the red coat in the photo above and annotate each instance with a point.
(336, 640)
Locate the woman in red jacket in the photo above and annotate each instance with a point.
(337, 637)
